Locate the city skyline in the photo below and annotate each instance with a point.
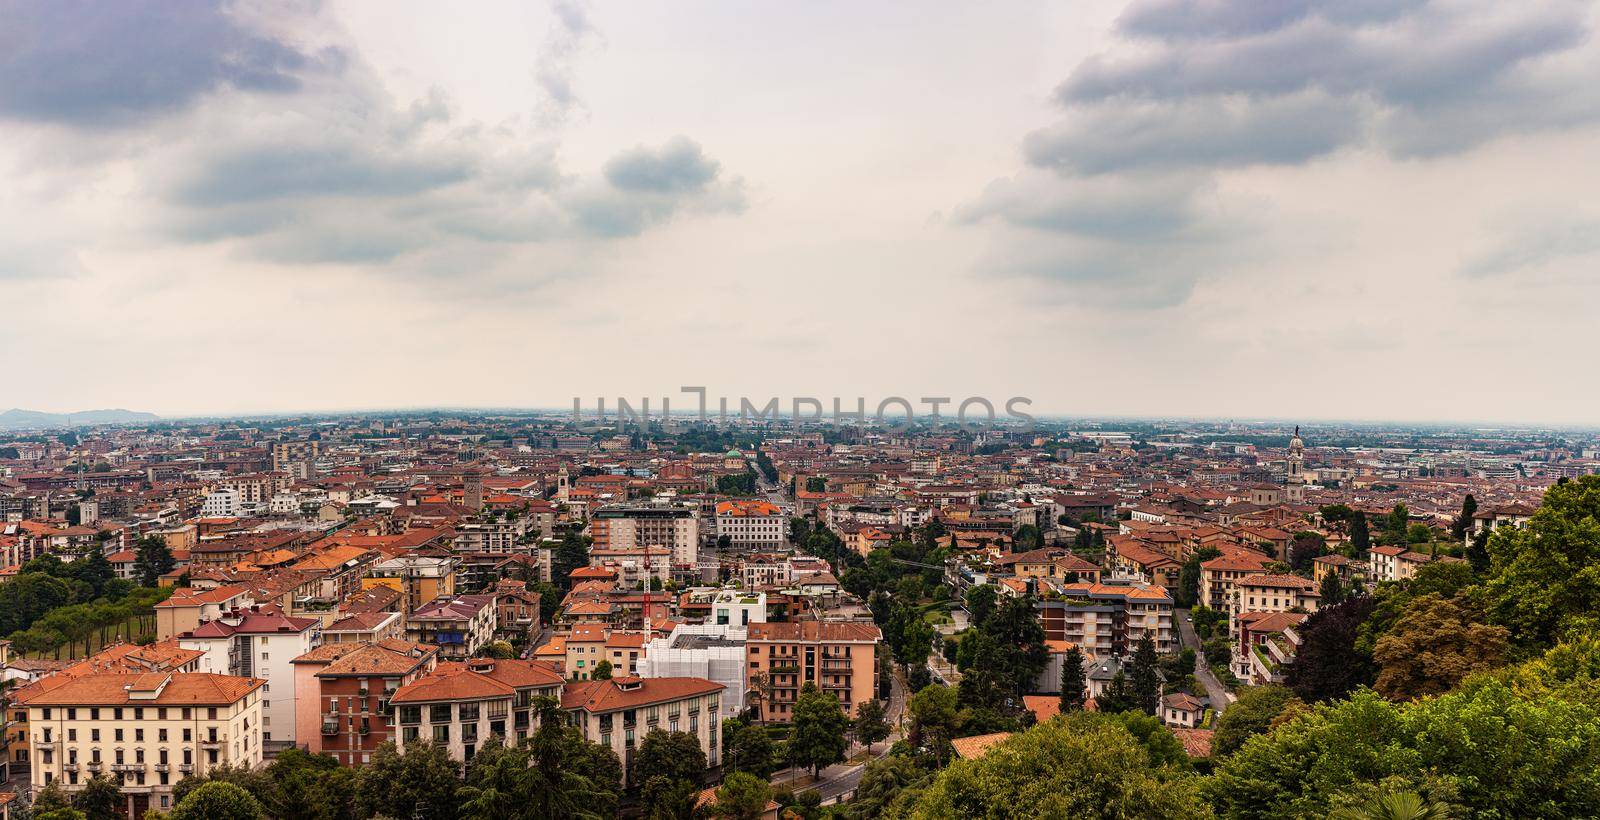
(1346, 212)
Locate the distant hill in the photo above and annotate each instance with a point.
(15, 419)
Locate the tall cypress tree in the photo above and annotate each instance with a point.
(1144, 677)
(1360, 539)
(1332, 592)
(1469, 508)
(1072, 681)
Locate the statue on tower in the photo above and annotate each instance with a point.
(1295, 481)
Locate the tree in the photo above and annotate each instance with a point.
(871, 725)
(1395, 805)
(1116, 697)
(1360, 538)
(602, 670)
(980, 601)
(419, 783)
(497, 783)
(673, 757)
(1545, 577)
(1477, 553)
(99, 798)
(1144, 673)
(1305, 548)
(1395, 525)
(501, 650)
(218, 800)
(1073, 681)
(820, 724)
(743, 796)
(154, 560)
(750, 749)
(1188, 592)
(1463, 522)
(1083, 766)
(1328, 665)
(1252, 714)
(570, 554)
(1206, 620)
(52, 798)
(935, 720)
(1331, 593)
(1437, 643)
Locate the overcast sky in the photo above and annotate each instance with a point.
(1369, 209)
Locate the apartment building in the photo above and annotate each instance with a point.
(618, 713)
(1218, 575)
(839, 657)
(752, 524)
(1264, 646)
(189, 607)
(1397, 563)
(1106, 619)
(260, 642)
(459, 625)
(365, 627)
(149, 731)
(1272, 593)
(674, 527)
(418, 578)
(461, 705)
(708, 651)
(345, 692)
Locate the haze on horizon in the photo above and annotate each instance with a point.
(1336, 210)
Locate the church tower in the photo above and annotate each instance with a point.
(1295, 483)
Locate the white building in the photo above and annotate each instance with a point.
(708, 651)
(752, 524)
(224, 503)
(259, 643)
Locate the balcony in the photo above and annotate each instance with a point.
(163, 767)
(127, 767)
(212, 742)
(185, 768)
(69, 767)
(95, 765)
(330, 727)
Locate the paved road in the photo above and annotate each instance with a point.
(1219, 694)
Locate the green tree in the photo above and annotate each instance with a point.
(1083, 766)
(871, 725)
(1207, 620)
(602, 670)
(1331, 592)
(1545, 578)
(1436, 644)
(502, 650)
(888, 787)
(1395, 805)
(1252, 714)
(153, 560)
(1394, 528)
(570, 554)
(218, 800)
(421, 782)
(750, 749)
(498, 783)
(1360, 538)
(673, 757)
(820, 724)
(743, 796)
(1073, 682)
(980, 601)
(1144, 676)
(1328, 664)
(935, 720)
(1116, 697)
(99, 798)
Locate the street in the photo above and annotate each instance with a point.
(1220, 696)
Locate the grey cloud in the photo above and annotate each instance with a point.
(1192, 19)
(277, 172)
(1196, 132)
(1562, 240)
(1116, 276)
(679, 166)
(1153, 207)
(553, 73)
(89, 63)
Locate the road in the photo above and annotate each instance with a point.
(1219, 694)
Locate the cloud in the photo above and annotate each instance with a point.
(646, 186)
(1114, 202)
(96, 64)
(1195, 132)
(679, 166)
(568, 34)
(1557, 241)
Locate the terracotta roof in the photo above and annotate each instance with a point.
(1043, 707)
(387, 657)
(1290, 581)
(203, 688)
(974, 747)
(477, 679)
(815, 631)
(633, 692)
(1196, 742)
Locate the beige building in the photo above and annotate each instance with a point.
(461, 705)
(189, 607)
(840, 658)
(618, 713)
(148, 731)
(1272, 593)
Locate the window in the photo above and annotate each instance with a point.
(411, 714)
(441, 733)
(439, 713)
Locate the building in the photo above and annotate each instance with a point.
(418, 578)
(1265, 644)
(461, 705)
(839, 657)
(1218, 575)
(260, 642)
(459, 625)
(189, 607)
(674, 527)
(1272, 593)
(618, 713)
(149, 731)
(223, 503)
(708, 651)
(752, 524)
(365, 627)
(345, 691)
(1106, 619)
(1182, 710)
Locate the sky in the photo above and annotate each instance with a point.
(1370, 209)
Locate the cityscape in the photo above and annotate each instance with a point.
(569, 410)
